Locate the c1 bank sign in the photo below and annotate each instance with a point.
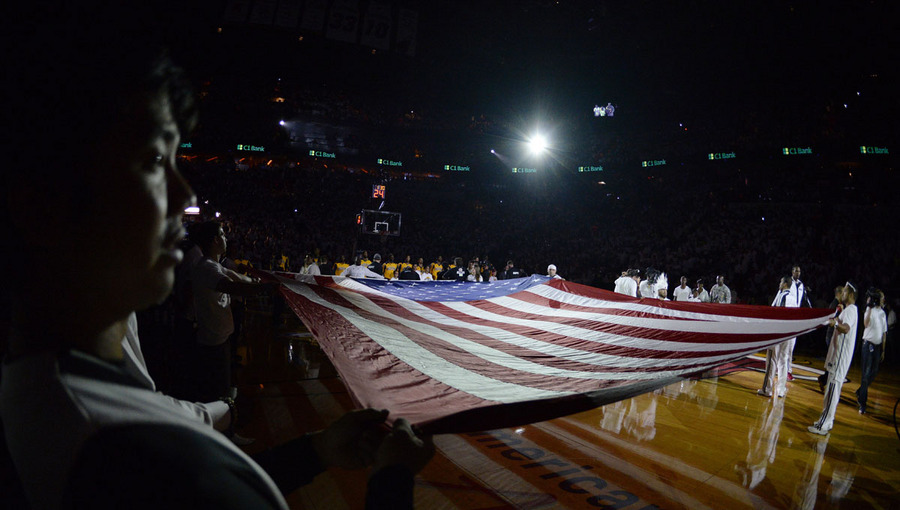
(796, 151)
(869, 149)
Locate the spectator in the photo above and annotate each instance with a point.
(874, 341)
(456, 271)
(376, 266)
(81, 430)
(512, 271)
(309, 266)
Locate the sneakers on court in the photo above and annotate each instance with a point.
(817, 430)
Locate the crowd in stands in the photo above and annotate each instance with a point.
(290, 211)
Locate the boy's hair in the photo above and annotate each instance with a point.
(79, 69)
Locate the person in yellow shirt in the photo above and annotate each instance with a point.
(243, 264)
(437, 267)
(420, 265)
(405, 264)
(279, 262)
(340, 265)
(390, 267)
(364, 259)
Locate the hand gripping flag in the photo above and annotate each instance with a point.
(463, 356)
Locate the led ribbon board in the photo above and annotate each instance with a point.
(321, 154)
(869, 149)
(251, 148)
(721, 155)
(590, 169)
(388, 162)
(653, 162)
(517, 170)
(457, 168)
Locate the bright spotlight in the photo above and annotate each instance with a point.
(537, 144)
(281, 123)
(493, 151)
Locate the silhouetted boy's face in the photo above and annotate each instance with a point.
(125, 234)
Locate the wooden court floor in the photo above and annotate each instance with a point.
(711, 443)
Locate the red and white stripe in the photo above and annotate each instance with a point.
(550, 350)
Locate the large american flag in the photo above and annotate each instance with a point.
(465, 356)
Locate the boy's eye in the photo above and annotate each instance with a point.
(154, 161)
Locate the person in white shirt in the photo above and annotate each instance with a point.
(309, 266)
(474, 272)
(778, 357)
(649, 288)
(627, 283)
(702, 294)
(874, 339)
(213, 286)
(837, 362)
(662, 287)
(83, 428)
(551, 272)
(682, 292)
(797, 297)
(359, 271)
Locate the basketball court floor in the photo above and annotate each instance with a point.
(709, 443)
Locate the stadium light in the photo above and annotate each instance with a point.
(537, 144)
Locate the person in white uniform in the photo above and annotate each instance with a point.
(840, 353)
(778, 357)
(797, 297)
